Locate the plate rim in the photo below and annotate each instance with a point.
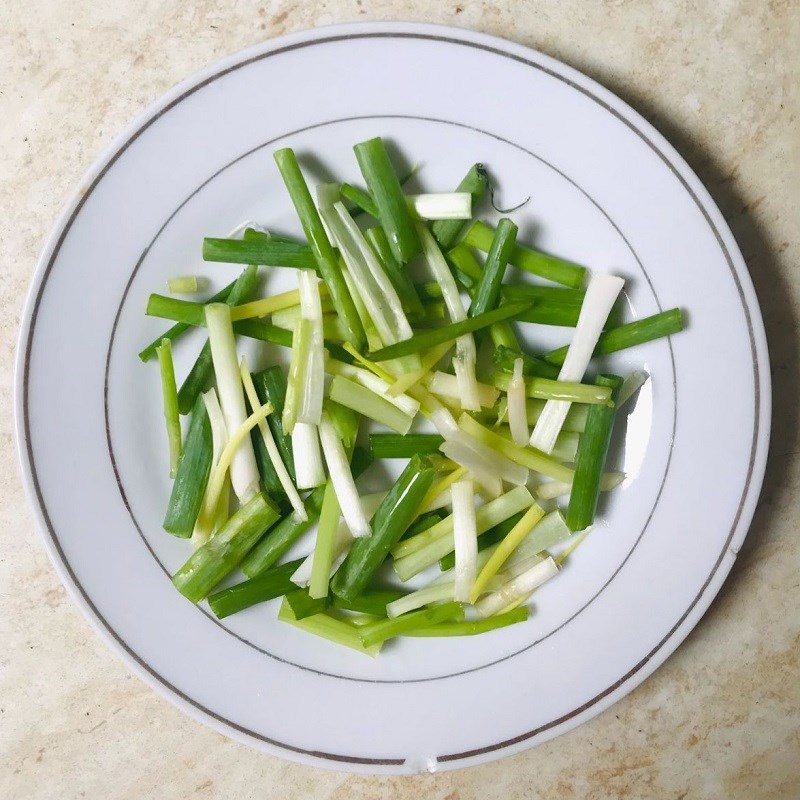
(612, 104)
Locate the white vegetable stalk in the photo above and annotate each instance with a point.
(466, 355)
(500, 466)
(342, 479)
(341, 543)
(517, 588)
(314, 372)
(465, 537)
(553, 489)
(517, 411)
(272, 449)
(446, 387)
(307, 457)
(550, 531)
(450, 205)
(601, 294)
(244, 471)
(479, 468)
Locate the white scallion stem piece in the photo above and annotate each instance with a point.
(553, 489)
(465, 356)
(631, 385)
(342, 479)
(517, 414)
(341, 542)
(272, 449)
(517, 587)
(465, 538)
(313, 383)
(307, 456)
(479, 468)
(447, 388)
(450, 205)
(244, 471)
(601, 294)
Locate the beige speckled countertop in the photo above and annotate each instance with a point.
(721, 719)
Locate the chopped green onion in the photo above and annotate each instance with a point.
(517, 414)
(438, 544)
(631, 334)
(191, 476)
(631, 385)
(307, 456)
(373, 602)
(178, 330)
(200, 374)
(396, 512)
(530, 519)
(518, 587)
(324, 255)
(369, 404)
(448, 333)
(474, 182)
(207, 523)
(313, 384)
(526, 456)
(359, 198)
(271, 388)
(601, 294)
(486, 542)
(267, 586)
(278, 467)
(217, 558)
(378, 632)
(395, 270)
(187, 284)
(327, 627)
(265, 251)
(369, 380)
(244, 472)
(385, 189)
(171, 413)
(301, 353)
(504, 358)
(473, 627)
(322, 558)
(487, 293)
(466, 356)
(547, 389)
(446, 387)
(442, 206)
(465, 539)
(589, 461)
(481, 235)
(391, 445)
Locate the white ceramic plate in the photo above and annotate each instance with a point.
(607, 191)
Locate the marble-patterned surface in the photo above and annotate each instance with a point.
(721, 78)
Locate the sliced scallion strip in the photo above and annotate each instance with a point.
(169, 391)
(465, 539)
(371, 405)
(307, 457)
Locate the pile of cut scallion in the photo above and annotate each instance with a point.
(402, 343)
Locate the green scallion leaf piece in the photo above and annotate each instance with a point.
(324, 254)
(631, 334)
(359, 198)
(393, 517)
(447, 231)
(589, 461)
(391, 205)
(273, 583)
(381, 630)
(481, 235)
(171, 414)
(267, 252)
(532, 366)
(191, 477)
(487, 293)
(391, 445)
(216, 559)
(472, 627)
